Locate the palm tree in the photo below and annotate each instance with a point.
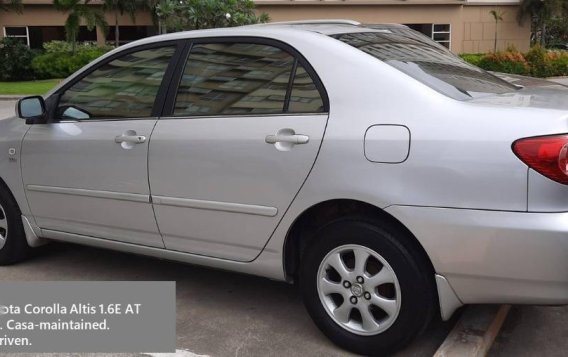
(13, 4)
(498, 16)
(121, 7)
(164, 11)
(79, 10)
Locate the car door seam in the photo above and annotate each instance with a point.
(151, 200)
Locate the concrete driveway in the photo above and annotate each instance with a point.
(533, 331)
(218, 313)
(7, 108)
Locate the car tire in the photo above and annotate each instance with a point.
(386, 309)
(13, 244)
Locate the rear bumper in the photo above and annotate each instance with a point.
(495, 256)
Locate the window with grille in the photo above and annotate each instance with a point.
(20, 32)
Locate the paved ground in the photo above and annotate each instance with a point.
(561, 80)
(218, 313)
(533, 331)
(7, 108)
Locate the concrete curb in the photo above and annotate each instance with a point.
(12, 97)
(561, 80)
(475, 332)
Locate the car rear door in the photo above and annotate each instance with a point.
(241, 132)
(85, 170)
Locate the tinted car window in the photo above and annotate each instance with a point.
(234, 78)
(123, 88)
(305, 97)
(428, 62)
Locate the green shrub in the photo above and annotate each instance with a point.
(506, 62)
(15, 60)
(537, 62)
(59, 62)
(57, 47)
(473, 58)
(559, 63)
(65, 47)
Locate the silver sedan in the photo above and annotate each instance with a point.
(386, 176)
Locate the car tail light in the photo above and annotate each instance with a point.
(547, 155)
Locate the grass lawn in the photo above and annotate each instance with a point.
(28, 87)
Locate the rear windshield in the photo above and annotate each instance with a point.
(427, 61)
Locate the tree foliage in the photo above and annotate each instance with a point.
(78, 11)
(545, 15)
(15, 60)
(176, 15)
(556, 31)
(11, 5)
(121, 7)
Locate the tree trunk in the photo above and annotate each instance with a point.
(495, 44)
(116, 39)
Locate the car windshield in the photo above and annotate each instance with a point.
(427, 61)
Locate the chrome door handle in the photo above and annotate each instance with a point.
(295, 139)
(133, 139)
(129, 139)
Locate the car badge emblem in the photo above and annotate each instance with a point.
(12, 153)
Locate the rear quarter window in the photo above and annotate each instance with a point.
(423, 59)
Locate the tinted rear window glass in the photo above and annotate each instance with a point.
(423, 59)
(234, 78)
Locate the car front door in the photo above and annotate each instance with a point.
(85, 170)
(243, 130)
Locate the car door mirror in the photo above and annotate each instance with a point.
(31, 108)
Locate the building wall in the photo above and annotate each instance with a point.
(472, 27)
(479, 29)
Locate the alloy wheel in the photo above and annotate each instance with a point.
(3, 227)
(359, 289)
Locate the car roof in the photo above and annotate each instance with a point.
(328, 27)
(323, 27)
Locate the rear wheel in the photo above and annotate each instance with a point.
(13, 244)
(365, 286)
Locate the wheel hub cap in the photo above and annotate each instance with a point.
(357, 290)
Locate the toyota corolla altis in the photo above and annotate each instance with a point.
(385, 175)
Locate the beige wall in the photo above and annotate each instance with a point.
(473, 29)
(479, 29)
